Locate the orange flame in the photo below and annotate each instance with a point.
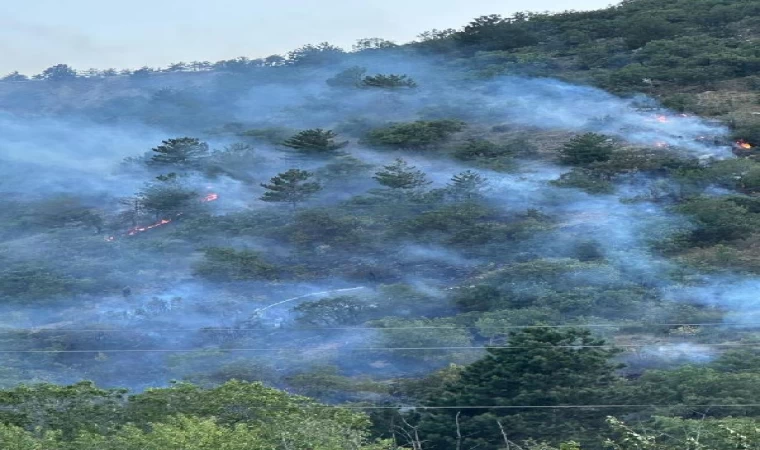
(662, 119)
(660, 144)
(744, 144)
(135, 230)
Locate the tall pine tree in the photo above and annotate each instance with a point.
(541, 367)
(184, 152)
(290, 187)
(315, 141)
(400, 177)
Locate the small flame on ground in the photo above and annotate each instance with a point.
(135, 230)
(662, 119)
(210, 197)
(660, 144)
(744, 144)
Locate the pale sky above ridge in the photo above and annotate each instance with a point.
(129, 34)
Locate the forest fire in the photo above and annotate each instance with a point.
(661, 144)
(133, 231)
(211, 197)
(744, 145)
(662, 119)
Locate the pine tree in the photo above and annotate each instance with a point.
(314, 141)
(14, 76)
(540, 366)
(290, 187)
(586, 149)
(167, 198)
(351, 77)
(466, 185)
(184, 152)
(391, 81)
(400, 176)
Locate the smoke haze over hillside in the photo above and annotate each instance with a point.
(78, 154)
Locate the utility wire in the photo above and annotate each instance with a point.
(748, 405)
(368, 349)
(500, 327)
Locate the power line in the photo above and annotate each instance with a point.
(501, 327)
(371, 349)
(748, 405)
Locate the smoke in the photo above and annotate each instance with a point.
(170, 308)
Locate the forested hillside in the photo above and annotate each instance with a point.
(530, 232)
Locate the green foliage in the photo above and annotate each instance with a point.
(680, 102)
(271, 135)
(496, 33)
(479, 148)
(68, 410)
(495, 325)
(465, 223)
(327, 382)
(342, 310)
(415, 135)
(478, 298)
(315, 55)
(235, 161)
(228, 264)
(14, 76)
(401, 177)
(58, 72)
(391, 81)
(540, 368)
(290, 187)
(167, 199)
(718, 220)
(323, 227)
(466, 186)
(351, 77)
(586, 149)
(555, 285)
(651, 161)
(674, 432)
(342, 168)
(64, 211)
(314, 141)
(184, 152)
(234, 416)
(643, 28)
(698, 385)
(373, 44)
(586, 180)
(33, 281)
(413, 334)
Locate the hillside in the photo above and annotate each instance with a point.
(513, 231)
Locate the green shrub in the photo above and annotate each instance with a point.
(414, 135)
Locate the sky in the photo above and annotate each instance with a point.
(129, 34)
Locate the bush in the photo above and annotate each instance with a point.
(314, 141)
(228, 264)
(479, 148)
(414, 135)
(719, 220)
(586, 149)
(585, 180)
